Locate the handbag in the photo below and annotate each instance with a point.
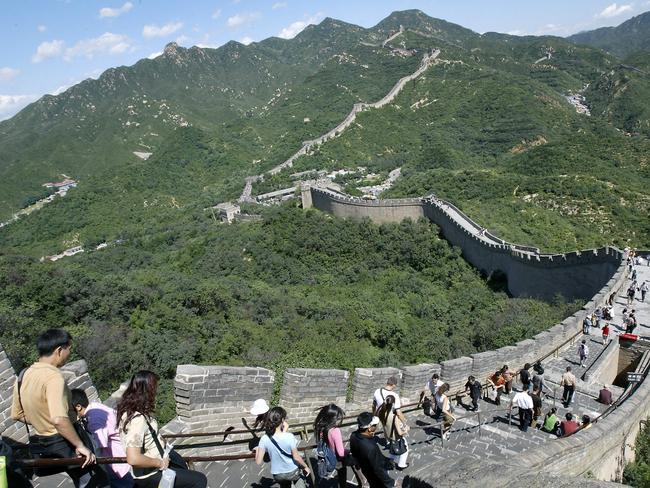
(176, 461)
(426, 406)
(493, 394)
(396, 447)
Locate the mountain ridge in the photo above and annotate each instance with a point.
(248, 108)
(630, 36)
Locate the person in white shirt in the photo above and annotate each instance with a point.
(524, 403)
(432, 386)
(381, 394)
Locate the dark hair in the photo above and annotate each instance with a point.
(49, 340)
(138, 398)
(527, 366)
(364, 418)
(586, 419)
(386, 407)
(470, 378)
(259, 420)
(444, 388)
(435, 376)
(328, 417)
(553, 410)
(274, 419)
(569, 416)
(79, 397)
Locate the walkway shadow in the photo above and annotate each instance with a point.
(411, 482)
(429, 429)
(271, 483)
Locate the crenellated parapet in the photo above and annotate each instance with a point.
(574, 275)
(212, 398)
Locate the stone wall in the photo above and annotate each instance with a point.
(213, 398)
(578, 274)
(601, 450)
(75, 374)
(8, 428)
(305, 391)
(605, 368)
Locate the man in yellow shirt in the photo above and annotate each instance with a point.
(41, 399)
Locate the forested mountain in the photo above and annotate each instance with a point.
(631, 36)
(541, 140)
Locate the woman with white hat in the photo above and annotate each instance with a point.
(259, 409)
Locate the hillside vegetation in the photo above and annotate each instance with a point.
(300, 289)
(488, 127)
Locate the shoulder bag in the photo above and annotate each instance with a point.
(396, 447)
(176, 462)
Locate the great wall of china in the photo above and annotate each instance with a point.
(213, 397)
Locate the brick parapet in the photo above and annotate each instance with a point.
(304, 391)
(367, 380)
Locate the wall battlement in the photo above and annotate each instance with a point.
(575, 275)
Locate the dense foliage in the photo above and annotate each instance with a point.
(295, 290)
(638, 473)
(488, 127)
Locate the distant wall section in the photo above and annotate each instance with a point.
(574, 275)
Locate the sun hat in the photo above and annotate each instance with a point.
(259, 407)
(366, 419)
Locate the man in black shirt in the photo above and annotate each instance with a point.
(475, 390)
(366, 451)
(524, 377)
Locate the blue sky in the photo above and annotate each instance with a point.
(50, 45)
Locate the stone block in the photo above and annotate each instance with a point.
(414, 379)
(367, 380)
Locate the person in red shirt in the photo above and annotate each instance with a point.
(605, 333)
(605, 396)
(568, 426)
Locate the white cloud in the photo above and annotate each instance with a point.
(107, 43)
(243, 18)
(183, 41)
(278, 5)
(246, 40)
(216, 14)
(516, 32)
(61, 89)
(204, 45)
(153, 30)
(41, 28)
(296, 27)
(8, 74)
(48, 49)
(115, 12)
(154, 55)
(10, 105)
(614, 10)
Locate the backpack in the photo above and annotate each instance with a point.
(325, 460)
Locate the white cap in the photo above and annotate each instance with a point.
(259, 407)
